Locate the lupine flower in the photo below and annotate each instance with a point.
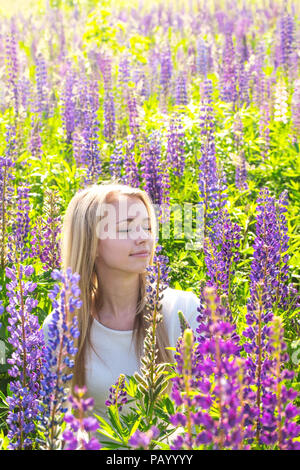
(211, 185)
(116, 161)
(280, 105)
(181, 98)
(45, 242)
(278, 410)
(6, 191)
(19, 238)
(26, 360)
(12, 65)
(133, 114)
(229, 79)
(131, 172)
(154, 172)
(41, 85)
(222, 253)
(175, 147)
(68, 105)
(118, 394)
(142, 440)
(78, 428)
(58, 355)
(109, 117)
(166, 70)
(202, 57)
(216, 354)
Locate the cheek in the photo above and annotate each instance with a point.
(115, 251)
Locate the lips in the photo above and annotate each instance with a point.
(140, 253)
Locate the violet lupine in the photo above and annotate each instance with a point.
(117, 394)
(202, 58)
(26, 359)
(90, 153)
(210, 379)
(229, 79)
(211, 186)
(77, 433)
(267, 284)
(116, 161)
(68, 104)
(286, 41)
(109, 117)
(6, 191)
(155, 175)
(133, 114)
(142, 440)
(41, 85)
(181, 97)
(222, 253)
(131, 172)
(59, 356)
(19, 238)
(166, 71)
(278, 410)
(176, 147)
(12, 68)
(45, 235)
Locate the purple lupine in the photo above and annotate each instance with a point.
(68, 104)
(181, 98)
(116, 161)
(222, 254)
(12, 68)
(117, 394)
(6, 191)
(175, 148)
(286, 40)
(45, 235)
(216, 355)
(211, 186)
(202, 58)
(77, 433)
(41, 85)
(267, 285)
(26, 360)
(58, 356)
(278, 410)
(109, 117)
(133, 114)
(142, 440)
(90, 154)
(131, 172)
(166, 70)
(19, 238)
(154, 174)
(229, 79)
(157, 278)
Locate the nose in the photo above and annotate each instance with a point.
(141, 234)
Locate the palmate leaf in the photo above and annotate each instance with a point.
(106, 429)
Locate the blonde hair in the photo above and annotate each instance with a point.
(79, 245)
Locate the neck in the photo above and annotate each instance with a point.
(117, 296)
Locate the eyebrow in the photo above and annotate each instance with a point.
(130, 219)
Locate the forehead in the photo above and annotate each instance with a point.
(132, 207)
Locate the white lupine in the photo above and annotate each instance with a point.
(281, 104)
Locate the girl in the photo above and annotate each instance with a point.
(108, 237)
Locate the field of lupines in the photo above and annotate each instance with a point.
(194, 102)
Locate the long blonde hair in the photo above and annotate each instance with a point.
(79, 245)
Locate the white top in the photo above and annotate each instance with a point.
(115, 350)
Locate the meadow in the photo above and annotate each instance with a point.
(197, 103)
